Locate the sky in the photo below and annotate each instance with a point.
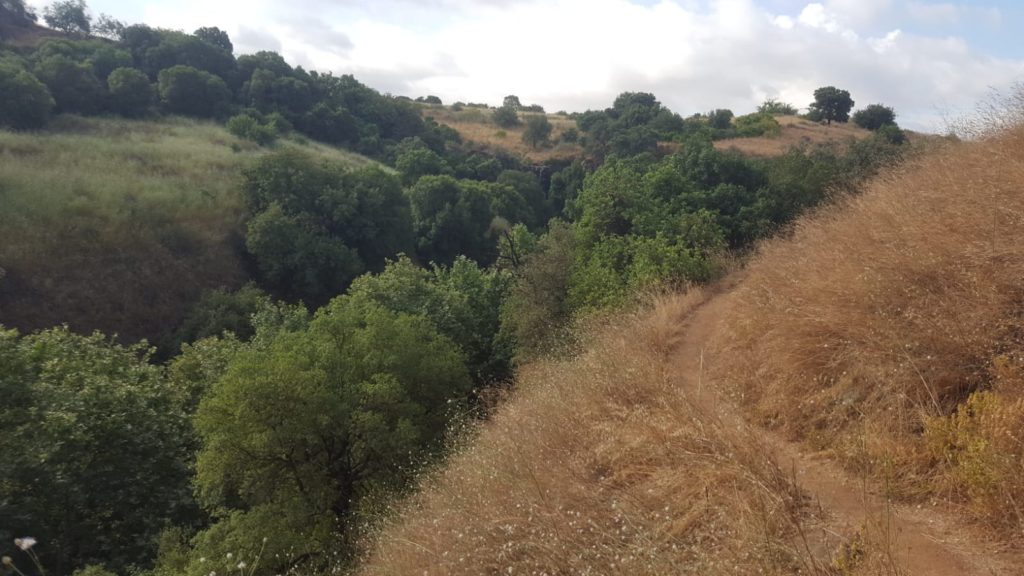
(931, 61)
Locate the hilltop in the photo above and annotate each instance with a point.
(881, 337)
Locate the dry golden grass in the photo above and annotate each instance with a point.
(475, 126)
(602, 465)
(868, 330)
(795, 132)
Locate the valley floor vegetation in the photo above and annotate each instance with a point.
(245, 305)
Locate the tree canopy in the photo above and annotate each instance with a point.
(831, 104)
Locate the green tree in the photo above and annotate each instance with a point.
(74, 86)
(462, 301)
(536, 313)
(506, 117)
(96, 450)
(831, 104)
(874, 117)
(511, 101)
(452, 218)
(413, 159)
(130, 92)
(720, 119)
(304, 425)
(68, 16)
(216, 37)
(25, 102)
(538, 130)
(318, 225)
(191, 92)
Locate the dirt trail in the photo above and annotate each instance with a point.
(920, 541)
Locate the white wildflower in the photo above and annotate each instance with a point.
(241, 565)
(230, 555)
(25, 543)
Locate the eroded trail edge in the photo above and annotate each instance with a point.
(855, 513)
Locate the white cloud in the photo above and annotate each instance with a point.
(576, 54)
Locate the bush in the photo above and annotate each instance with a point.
(249, 128)
(757, 124)
(25, 102)
(874, 117)
(538, 130)
(74, 86)
(776, 108)
(186, 90)
(130, 92)
(506, 117)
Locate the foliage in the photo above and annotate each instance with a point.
(511, 101)
(74, 86)
(68, 16)
(633, 125)
(413, 159)
(874, 117)
(173, 49)
(777, 108)
(720, 119)
(538, 130)
(96, 450)
(757, 124)
(247, 127)
(317, 225)
(25, 102)
(451, 218)
(506, 117)
(186, 90)
(461, 301)
(130, 93)
(215, 37)
(219, 311)
(831, 104)
(305, 424)
(536, 312)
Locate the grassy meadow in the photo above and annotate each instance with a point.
(118, 225)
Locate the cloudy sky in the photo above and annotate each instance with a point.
(930, 60)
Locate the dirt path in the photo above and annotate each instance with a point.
(916, 541)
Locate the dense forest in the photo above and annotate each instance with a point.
(235, 360)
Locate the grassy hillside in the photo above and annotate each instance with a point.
(888, 332)
(884, 331)
(476, 127)
(794, 131)
(603, 465)
(118, 225)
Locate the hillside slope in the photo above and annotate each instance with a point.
(117, 225)
(885, 331)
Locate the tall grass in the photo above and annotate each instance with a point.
(118, 225)
(887, 330)
(602, 465)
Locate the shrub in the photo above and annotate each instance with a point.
(506, 117)
(130, 92)
(757, 124)
(25, 102)
(249, 128)
(874, 117)
(74, 86)
(186, 90)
